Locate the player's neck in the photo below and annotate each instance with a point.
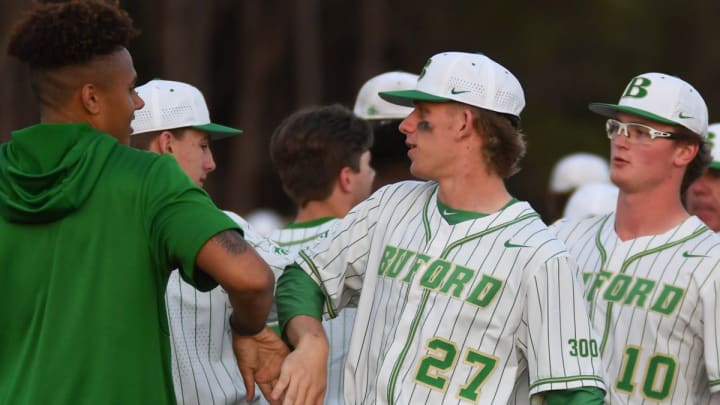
(475, 193)
(61, 115)
(643, 214)
(320, 209)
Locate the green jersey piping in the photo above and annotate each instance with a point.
(316, 273)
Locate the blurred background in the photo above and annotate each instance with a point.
(257, 61)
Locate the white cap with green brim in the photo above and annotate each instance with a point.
(170, 105)
(469, 78)
(369, 105)
(712, 138)
(577, 169)
(662, 98)
(591, 200)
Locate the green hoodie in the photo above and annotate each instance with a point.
(89, 231)
(42, 184)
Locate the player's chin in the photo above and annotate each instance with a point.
(418, 173)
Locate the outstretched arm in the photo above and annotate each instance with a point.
(304, 373)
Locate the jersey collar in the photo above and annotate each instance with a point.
(309, 224)
(454, 216)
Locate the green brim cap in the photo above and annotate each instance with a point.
(611, 110)
(408, 97)
(218, 131)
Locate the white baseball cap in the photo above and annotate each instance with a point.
(591, 200)
(170, 105)
(369, 105)
(265, 221)
(713, 140)
(470, 78)
(662, 98)
(577, 169)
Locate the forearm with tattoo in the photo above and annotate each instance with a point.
(232, 241)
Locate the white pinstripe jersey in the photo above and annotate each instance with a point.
(204, 366)
(338, 330)
(453, 314)
(654, 300)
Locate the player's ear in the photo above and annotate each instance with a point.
(685, 152)
(165, 142)
(466, 123)
(345, 179)
(90, 98)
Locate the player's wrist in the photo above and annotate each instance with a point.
(243, 331)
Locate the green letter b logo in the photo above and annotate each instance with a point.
(637, 87)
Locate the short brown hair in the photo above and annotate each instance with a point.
(312, 145)
(143, 141)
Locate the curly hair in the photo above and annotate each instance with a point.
(698, 165)
(504, 144)
(311, 146)
(57, 34)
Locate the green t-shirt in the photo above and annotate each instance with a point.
(89, 232)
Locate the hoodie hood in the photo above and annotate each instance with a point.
(47, 171)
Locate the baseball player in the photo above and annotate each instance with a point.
(91, 229)
(569, 173)
(703, 196)
(459, 286)
(175, 120)
(323, 190)
(651, 270)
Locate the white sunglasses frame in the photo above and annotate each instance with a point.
(623, 127)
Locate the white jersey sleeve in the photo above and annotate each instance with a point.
(346, 249)
(711, 333)
(556, 331)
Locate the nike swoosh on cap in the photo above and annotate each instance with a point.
(453, 91)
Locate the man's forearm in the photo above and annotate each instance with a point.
(304, 329)
(248, 280)
(249, 314)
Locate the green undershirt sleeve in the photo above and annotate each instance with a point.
(576, 396)
(297, 294)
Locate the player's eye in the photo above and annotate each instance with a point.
(423, 126)
(638, 131)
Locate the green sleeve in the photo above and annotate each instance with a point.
(576, 396)
(181, 218)
(297, 294)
